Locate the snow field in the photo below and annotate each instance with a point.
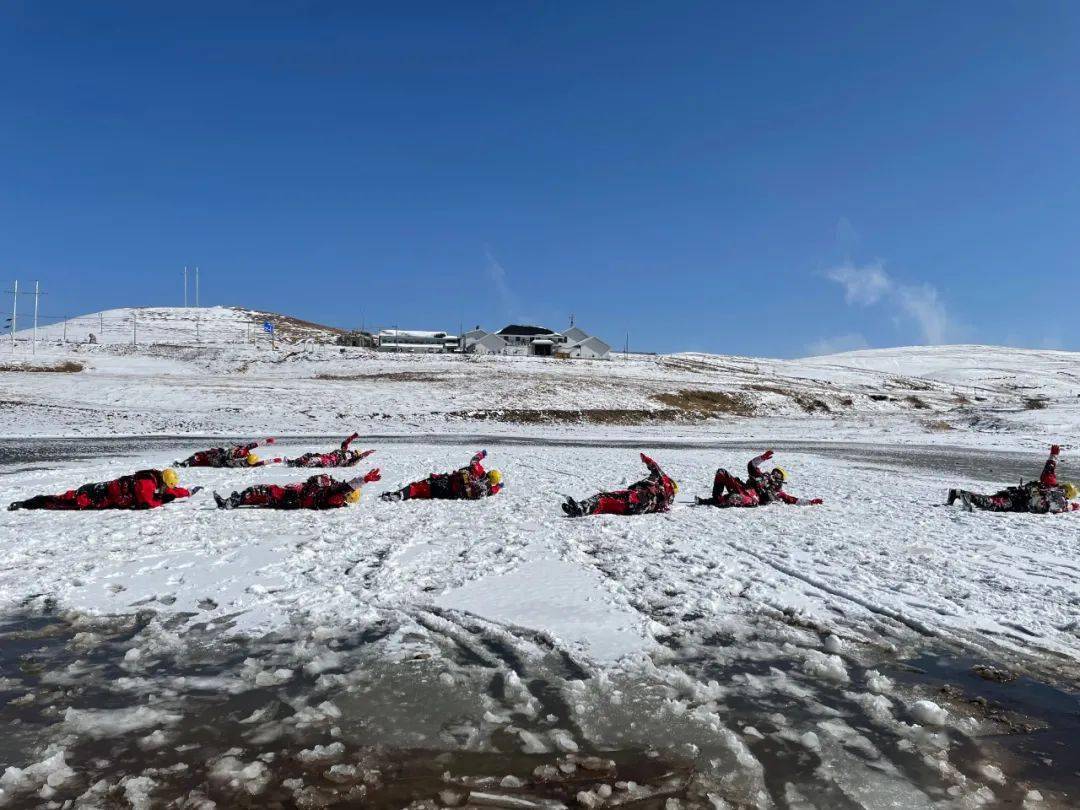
(738, 639)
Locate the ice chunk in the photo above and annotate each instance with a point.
(929, 713)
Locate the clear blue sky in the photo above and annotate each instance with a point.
(771, 178)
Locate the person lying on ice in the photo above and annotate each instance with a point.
(759, 488)
(146, 489)
(1038, 497)
(469, 483)
(342, 457)
(653, 493)
(318, 492)
(240, 455)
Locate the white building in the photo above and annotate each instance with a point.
(412, 340)
(488, 344)
(591, 348)
(535, 341)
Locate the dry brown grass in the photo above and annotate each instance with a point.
(937, 426)
(1035, 403)
(705, 404)
(916, 402)
(67, 367)
(584, 416)
(395, 376)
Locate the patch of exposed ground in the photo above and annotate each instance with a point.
(67, 367)
(704, 404)
(583, 416)
(390, 376)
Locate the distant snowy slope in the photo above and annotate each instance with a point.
(177, 326)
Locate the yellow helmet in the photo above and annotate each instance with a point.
(252, 459)
(782, 471)
(353, 497)
(675, 487)
(494, 478)
(170, 477)
(1070, 490)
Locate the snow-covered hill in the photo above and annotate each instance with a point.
(176, 326)
(944, 394)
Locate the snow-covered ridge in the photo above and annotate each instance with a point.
(235, 381)
(174, 326)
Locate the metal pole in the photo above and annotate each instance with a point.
(134, 330)
(65, 330)
(14, 313)
(196, 285)
(101, 327)
(185, 285)
(37, 294)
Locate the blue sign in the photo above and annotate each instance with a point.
(268, 327)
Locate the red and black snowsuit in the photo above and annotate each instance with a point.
(342, 457)
(318, 492)
(1037, 497)
(469, 483)
(759, 488)
(654, 493)
(145, 489)
(224, 456)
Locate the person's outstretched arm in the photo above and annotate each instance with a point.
(1049, 473)
(654, 468)
(754, 465)
(793, 501)
(475, 467)
(345, 444)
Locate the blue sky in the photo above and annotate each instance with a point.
(773, 179)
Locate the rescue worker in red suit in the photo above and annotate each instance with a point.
(318, 492)
(146, 489)
(240, 455)
(654, 493)
(759, 488)
(470, 483)
(1045, 496)
(342, 457)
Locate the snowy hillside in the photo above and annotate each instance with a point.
(176, 326)
(943, 394)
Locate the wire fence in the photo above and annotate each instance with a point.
(137, 328)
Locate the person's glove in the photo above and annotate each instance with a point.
(193, 490)
(1055, 450)
(647, 460)
(480, 456)
(271, 441)
(816, 502)
(277, 460)
(766, 455)
(373, 475)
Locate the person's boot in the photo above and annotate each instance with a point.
(14, 506)
(953, 495)
(699, 501)
(571, 508)
(392, 496)
(965, 498)
(224, 503)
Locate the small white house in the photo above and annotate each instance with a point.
(488, 344)
(591, 348)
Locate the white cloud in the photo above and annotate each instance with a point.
(834, 345)
(870, 284)
(862, 285)
(926, 308)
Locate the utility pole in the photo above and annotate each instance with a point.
(196, 285)
(37, 294)
(14, 312)
(134, 329)
(185, 286)
(101, 327)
